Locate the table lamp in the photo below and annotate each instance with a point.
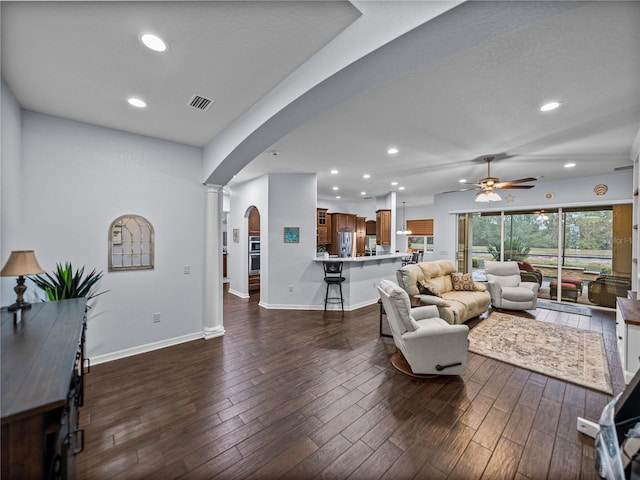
(21, 263)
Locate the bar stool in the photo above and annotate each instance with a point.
(333, 276)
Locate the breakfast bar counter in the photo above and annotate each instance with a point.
(362, 277)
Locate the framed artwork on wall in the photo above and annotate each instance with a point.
(291, 234)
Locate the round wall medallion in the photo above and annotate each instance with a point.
(549, 195)
(600, 189)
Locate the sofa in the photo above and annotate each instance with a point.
(432, 283)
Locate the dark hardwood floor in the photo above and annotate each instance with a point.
(302, 395)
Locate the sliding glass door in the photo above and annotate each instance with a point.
(574, 244)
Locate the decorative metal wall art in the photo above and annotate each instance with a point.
(131, 241)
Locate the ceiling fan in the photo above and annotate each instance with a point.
(487, 185)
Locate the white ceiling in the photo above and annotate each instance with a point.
(472, 88)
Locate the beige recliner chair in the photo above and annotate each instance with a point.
(429, 344)
(506, 288)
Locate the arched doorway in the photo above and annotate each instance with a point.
(254, 249)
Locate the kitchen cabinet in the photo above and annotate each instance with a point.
(254, 283)
(254, 222)
(371, 227)
(323, 227)
(361, 235)
(383, 227)
(340, 222)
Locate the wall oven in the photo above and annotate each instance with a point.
(254, 263)
(254, 244)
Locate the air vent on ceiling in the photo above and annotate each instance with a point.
(199, 102)
(626, 167)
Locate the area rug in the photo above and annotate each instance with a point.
(566, 353)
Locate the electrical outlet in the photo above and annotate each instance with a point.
(187, 269)
(291, 288)
(156, 317)
(588, 427)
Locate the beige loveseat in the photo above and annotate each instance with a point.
(454, 306)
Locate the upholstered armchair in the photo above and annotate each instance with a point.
(530, 274)
(507, 289)
(429, 344)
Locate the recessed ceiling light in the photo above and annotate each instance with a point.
(366, 175)
(363, 193)
(400, 188)
(392, 151)
(335, 188)
(334, 172)
(153, 42)
(136, 102)
(462, 180)
(337, 196)
(547, 107)
(274, 153)
(394, 183)
(569, 165)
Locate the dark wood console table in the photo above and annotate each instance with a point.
(42, 370)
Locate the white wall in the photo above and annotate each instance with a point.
(11, 229)
(283, 200)
(242, 196)
(574, 192)
(292, 203)
(77, 179)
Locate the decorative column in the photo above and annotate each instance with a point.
(212, 315)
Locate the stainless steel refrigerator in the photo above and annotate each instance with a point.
(345, 244)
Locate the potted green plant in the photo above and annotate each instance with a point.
(64, 283)
(515, 250)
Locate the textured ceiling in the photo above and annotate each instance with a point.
(462, 86)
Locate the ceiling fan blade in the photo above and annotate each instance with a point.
(511, 182)
(460, 190)
(505, 186)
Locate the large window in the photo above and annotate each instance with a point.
(579, 240)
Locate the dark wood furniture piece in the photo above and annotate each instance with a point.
(42, 389)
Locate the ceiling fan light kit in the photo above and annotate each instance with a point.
(486, 186)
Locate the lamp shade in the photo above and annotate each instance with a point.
(21, 262)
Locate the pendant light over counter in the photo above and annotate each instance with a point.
(404, 230)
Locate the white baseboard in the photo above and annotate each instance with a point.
(149, 347)
(330, 308)
(238, 294)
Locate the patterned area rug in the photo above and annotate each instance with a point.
(566, 353)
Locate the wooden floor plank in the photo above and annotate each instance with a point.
(304, 394)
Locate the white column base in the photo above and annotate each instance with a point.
(210, 333)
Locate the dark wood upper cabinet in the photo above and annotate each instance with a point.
(254, 221)
(383, 227)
